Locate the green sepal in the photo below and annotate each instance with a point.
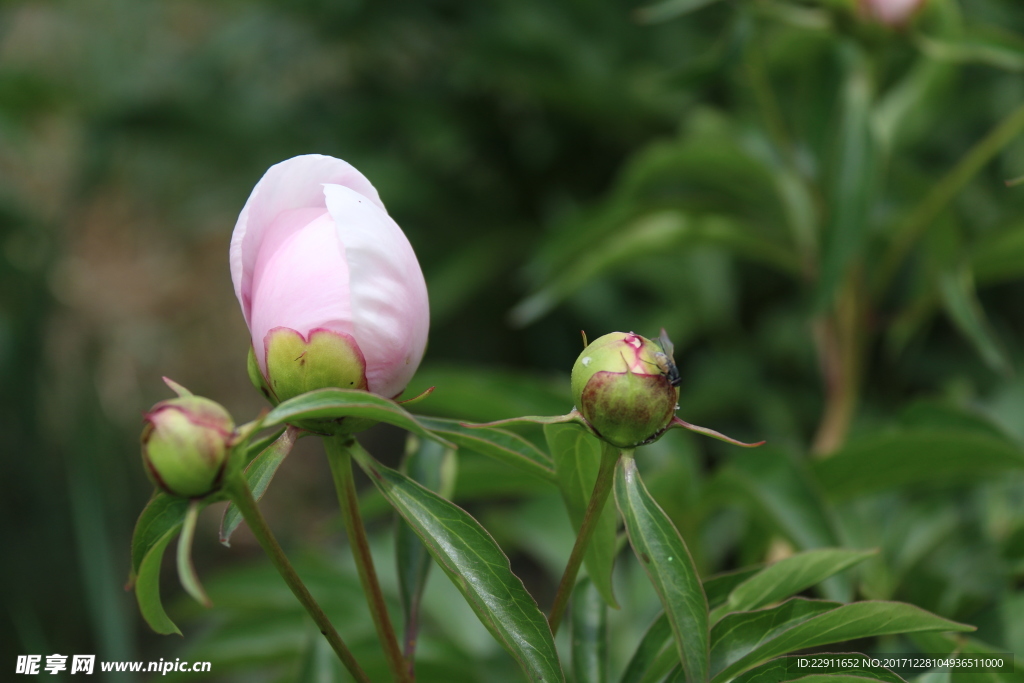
(186, 570)
(259, 382)
(327, 359)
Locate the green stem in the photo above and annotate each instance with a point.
(944, 191)
(602, 487)
(241, 496)
(839, 341)
(340, 458)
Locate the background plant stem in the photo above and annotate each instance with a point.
(340, 459)
(241, 496)
(838, 337)
(602, 487)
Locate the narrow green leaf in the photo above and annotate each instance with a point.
(780, 489)
(259, 473)
(786, 669)
(897, 459)
(853, 186)
(979, 45)
(577, 456)
(841, 678)
(319, 663)
(254, 448)
(738, 634)
(147, 586)
(669, 9)
(644, 659)
(964, 309)
(847, 622)
(677, 675)
(161, 514)
(896, 118)
(186, 570)
(999, 256)
(917, 223)
(948, 644)
(667, 561)
(432, 466)
(718, 587)
(646, 235)
(589, 634)
(477, 567)
(333, 404)
(788, 577)
(499, 444)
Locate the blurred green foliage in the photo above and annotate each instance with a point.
(812, 204)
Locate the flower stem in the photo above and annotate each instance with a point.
(340, 458)
(241, 496)
(602, 487)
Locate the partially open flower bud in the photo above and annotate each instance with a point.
(328, 283)
(185, 445)
(623, 387)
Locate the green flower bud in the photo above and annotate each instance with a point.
(185, 445)
(623, 387)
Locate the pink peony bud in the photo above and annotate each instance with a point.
(329, 285)
(891, 12)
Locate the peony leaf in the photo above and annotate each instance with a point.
(890, 460)
(744, 640)
(476, 565)
(499, 444)
(665, 558)
(786, 669)
(589, 634)
(432, 466)
(649, 660)
(336, 404)
(788, 577)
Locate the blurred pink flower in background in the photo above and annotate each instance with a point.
(891, 12)
(325, 275)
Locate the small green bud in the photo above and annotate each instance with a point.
(185, 445)
(622, 387)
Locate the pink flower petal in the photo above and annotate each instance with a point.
(300, 279)
(293, 184)
(391, 314)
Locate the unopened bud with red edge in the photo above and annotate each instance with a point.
(621, 388)
(185, 445)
